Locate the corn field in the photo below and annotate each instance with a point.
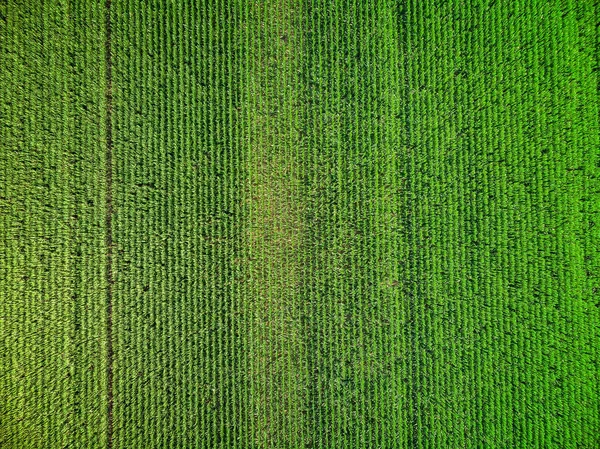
(256, 224)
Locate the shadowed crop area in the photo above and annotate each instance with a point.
(299, 224)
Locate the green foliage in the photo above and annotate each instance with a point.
(299, 224)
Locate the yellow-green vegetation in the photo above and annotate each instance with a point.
(299, 224)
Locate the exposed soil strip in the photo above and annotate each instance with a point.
(109, 242)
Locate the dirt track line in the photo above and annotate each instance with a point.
(108, 223)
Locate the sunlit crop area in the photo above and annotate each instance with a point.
(256, 224)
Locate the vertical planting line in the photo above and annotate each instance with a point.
(108, 223)
(405, 15)
(592, 209)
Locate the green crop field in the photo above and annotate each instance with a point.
(342, 224)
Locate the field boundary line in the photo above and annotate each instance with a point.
(108, 223)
